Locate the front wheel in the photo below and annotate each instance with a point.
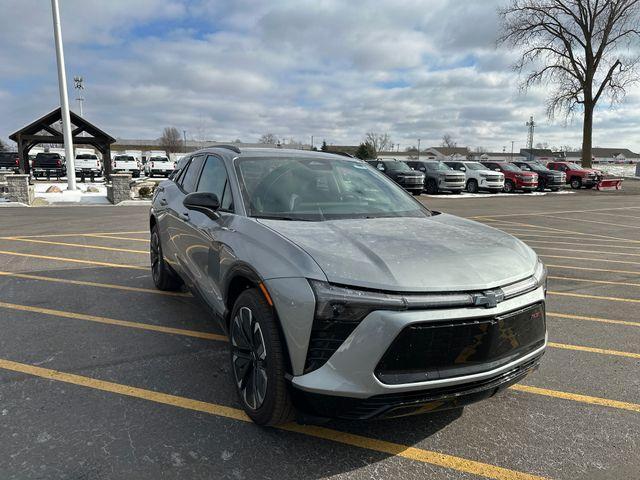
(472, 186)
(576, 183)
(258, 360)
(509, 187)
(431, 187)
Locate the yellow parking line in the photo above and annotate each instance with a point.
(566, 237)
(590, 269)
(602, 351)
(417, 454)
(76, 245)
(593, 319)
(571, 250)
(144, 240)
(588, 280)
(95, 284)
(605, 402)
(80, 234)
(594, 297)
(553, 213)
(564, 257)
(113, 321)
(559, 242)
(614, 215)
(74, 260)
(559, 230)
(582, 220)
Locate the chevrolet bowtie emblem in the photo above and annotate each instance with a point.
(488, 299)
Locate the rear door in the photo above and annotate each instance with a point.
(178, 232)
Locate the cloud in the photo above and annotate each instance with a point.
(332, 69)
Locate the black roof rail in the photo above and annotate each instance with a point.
(344, 154)
(233, 148)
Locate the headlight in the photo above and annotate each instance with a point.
(484, 175)
(537, 280)
(344, 304)
(541, 275)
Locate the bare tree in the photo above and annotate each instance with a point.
(171, 140)
(379, 141)
(583, 47)
(268, 138)
(3, 146)
(448, 141)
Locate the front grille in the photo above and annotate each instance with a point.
(326, 338)
(436, 350)
(455, 179)
(493, 179)
(413, 180)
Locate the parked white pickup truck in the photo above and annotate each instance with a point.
(87, 165)
(159, 166)
(125, 164)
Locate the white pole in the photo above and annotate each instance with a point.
(64, 99)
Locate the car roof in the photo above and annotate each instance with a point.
(231, 152)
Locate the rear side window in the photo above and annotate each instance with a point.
(190, 178)
(214, 179)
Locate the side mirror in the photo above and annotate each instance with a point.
(497, 169)
(206, 203)
(381, 168)
(463, 169)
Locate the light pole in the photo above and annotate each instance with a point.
(64, 99)
(512, 150)
(418, 149)
(184, 136)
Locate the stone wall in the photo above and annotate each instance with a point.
(120, 188)
(19, 190)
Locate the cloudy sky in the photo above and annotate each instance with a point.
(333, 69)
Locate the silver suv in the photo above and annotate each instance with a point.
(342, 295)
(438, 176)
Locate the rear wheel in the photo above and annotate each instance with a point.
(163, 277)
(258, 361)
(576, 183)
(472, 186)
(509, 187)
(542, 185)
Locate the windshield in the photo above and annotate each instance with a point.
(475, 166)
(397, 166)
(509, 167)
(436, 166)
(573, 166)
(317, 189)
(536, 167)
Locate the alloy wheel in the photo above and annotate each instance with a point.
(249, 358)
(155, 252)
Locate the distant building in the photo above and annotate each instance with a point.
(602, 155)
(192, 145)
(446, 153)
(496, 156)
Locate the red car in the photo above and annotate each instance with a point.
(514, 177)
(577, 176)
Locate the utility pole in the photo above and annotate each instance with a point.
(184, 144)
(418, 149)
(512, 150)
(311, 142)
(64, 98)
(78, 83)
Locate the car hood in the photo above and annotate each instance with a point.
(439, 253)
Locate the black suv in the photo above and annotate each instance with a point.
(10, 161)
(49, 164)
(554, 181)
(401, 173)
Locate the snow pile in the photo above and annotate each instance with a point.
(628, 171)
(96, 195)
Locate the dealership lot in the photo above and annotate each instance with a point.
(102, 376)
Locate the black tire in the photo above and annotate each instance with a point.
(554, 189)
(163, 277)
(542, 185)
(576, 183)
(509, 187)
(257, 357)
(415, 193)
(472, 186)
(431, 187)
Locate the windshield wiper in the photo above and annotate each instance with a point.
(283, 217)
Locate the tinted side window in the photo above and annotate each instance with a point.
(214, 179)
(190, 178)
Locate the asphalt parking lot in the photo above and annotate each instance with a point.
(101, 376)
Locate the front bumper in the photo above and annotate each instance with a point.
(491, 185)
(351, 371)
(453, 186)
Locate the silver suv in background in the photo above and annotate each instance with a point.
(342, 295)
(438, 176)
(478, 176)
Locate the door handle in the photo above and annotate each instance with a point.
(184, 216)
(163, 202)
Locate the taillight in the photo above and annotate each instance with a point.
(59, 163)
(17, 162)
